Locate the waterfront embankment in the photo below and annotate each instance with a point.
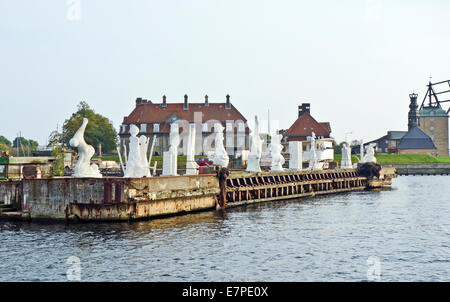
(411, 164)
(422, 169)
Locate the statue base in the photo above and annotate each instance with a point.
(253, 164)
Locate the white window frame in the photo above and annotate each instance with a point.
(230, 141)
(155, 127)
(241, 141)
(229, 126)
(143, 127)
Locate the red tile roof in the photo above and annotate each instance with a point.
(156, 113)
(306, 124)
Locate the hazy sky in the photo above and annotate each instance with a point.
(355, 61)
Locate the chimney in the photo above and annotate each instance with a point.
(304, 108)
(228, 104)
(138, 101)
(164, 103)
(206, 101)
(185, 106)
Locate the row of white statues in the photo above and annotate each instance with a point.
(138, 165)
(368, 157)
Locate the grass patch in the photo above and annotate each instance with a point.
(401, 158)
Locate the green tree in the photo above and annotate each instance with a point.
(338, 148)
(5, 141)
(54, 139)
(25, 146)
(58, 164)
(4, 147)
(99, 130)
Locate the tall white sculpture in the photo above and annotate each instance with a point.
(255, 151)
(275, 151)
(346, 161)
(314, 163)
(137, 163)
(361, 150)
(295, 156)
(170, 158)
(191, 165)
(83, 167)
(220, 157)
(369, 157)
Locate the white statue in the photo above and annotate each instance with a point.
(255, 151)
(369, 157)
(295, 156)
(361, 150)
(314, 163)
(170, 158)
(220, 157)
(346, 161)
(275, 151)
(137, 165)
(191, 165)
(83, 167)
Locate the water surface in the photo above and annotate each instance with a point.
(327, 238)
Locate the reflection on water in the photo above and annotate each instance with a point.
(312, 239)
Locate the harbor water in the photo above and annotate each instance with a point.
(397, 234)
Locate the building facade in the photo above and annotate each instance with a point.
(434, 122)
(415, 141)
(305, 125)
(155, 119)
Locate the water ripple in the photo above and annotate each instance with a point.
(327, 238)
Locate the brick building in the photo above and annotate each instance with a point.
(305, 125)
(434, 122)
(155, 119)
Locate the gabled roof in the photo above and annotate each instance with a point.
(416, 139)
(306, 124)
(156, 113)
(396, 135)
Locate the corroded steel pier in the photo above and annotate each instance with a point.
(119, 199)
(246, 188)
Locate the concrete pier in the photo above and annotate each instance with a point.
(119, 199)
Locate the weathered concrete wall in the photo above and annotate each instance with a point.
(422, 169)
(117, 198)
(10, 192)
(50, 198)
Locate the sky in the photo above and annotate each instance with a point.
(355, 61)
